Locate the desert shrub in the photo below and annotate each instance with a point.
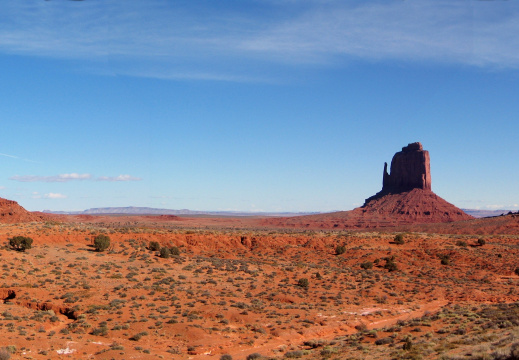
(5, 354)
(20, 243)
(340, 249)
(101, 242)
(294, 354)
(408, 344)
(303, 282)
(445, 259)
(254, 356)
(366, 265)
(481, 242)
(138, 336)
(516, 271)
(461, 243)
(226, 357)
(174, 251)
(165, 252)
(154, 246)
(390, 264)
(361, 327)
(384, 341)
(399, 239)
(100, 331)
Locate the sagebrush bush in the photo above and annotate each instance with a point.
(340, 249)
(5, 354)
(165, 252)
(174, 251)
(445, 259)
(303, 282)
(390, 264)
(461, 243)
(20, 243)
(254, 356)
(154, 246)
(101, 242)
(399, 239)
(366, 265)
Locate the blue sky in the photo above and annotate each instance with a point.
(273, 105)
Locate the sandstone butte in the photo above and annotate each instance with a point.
(406, 198)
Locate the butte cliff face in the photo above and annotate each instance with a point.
(410, 169)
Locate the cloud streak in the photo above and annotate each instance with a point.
(15, 157)
(187, 41)
(54, 196)
(118, 178)
(54, 178)
(71, 177)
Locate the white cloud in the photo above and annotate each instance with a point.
(118, 178)
(54, 196)
(71, 177)
(211, 43)
(54, 178)
(502, 207)
(16, 157)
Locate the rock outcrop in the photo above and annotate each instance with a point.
(11, 212)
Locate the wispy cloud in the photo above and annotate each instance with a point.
(16, 157)
(54, 178)
(502, 207)
(118, 178)
(54, 196)
(189, 41)
(37, 195)
(72, 177)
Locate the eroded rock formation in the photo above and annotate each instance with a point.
(410, 169)
(406, 198)
(12, 212)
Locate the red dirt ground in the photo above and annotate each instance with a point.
(244, 285)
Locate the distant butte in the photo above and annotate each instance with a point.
(406, 198)
(406, 191)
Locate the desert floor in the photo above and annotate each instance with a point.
(252, 292)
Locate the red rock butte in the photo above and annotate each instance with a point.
(410, 169)
(406, 198)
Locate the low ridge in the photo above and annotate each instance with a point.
(11, 212)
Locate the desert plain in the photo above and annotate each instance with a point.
(248, 288)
